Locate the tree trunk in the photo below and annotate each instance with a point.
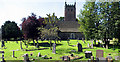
(37, 44)
(21, 44)
(95, 42)
(33, 42)
(107, 43)
(50, 45)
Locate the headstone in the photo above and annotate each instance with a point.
(88, 54)
(99, 53)
(3, 44)
(88, 45)
(92, 44)
(66, 58)
(39, 55)
(13, 54)
(117, 57)
(2, 56)
(79, 47)
(26, 58)
(45, 56)
(109, 57)
(92, 58)
(54, 48)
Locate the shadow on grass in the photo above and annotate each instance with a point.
(37, 49)
(115, 47)
(45, 44)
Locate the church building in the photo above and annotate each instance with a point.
(69, 28)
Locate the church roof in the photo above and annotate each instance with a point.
(68, 26)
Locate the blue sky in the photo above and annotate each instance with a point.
(15, 10)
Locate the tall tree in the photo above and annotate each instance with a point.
(10, 30)
(88, 21)
(30, 25)
(50, 31)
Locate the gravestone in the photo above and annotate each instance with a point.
(92, 44)
(92, 58)
(26, 58)
(88, 54)
(99, 53)
(66, 58)
(39, 55)
(3, 44)
(13, 54)
(2, 56)
(79, 47)
(117, 57)
(54, 48)
(88, 45)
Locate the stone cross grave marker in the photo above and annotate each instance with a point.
(79, 47)
(99, 53)
(54, 48)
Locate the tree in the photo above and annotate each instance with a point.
(30, 25)
(10, 30)
(88, 20)
(51, 30)
(100, 20)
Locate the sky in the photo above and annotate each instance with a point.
(15, 10)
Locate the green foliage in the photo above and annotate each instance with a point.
(50, 31)
(100, 20)
(10, 30)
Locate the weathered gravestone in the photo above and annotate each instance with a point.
(26, 58)
(66, 58)
(92, 44)
(88, 54)
(79, 47)
(117, 57)
(54, 48)
(39, 55)
(99, 53)
(88, 45)
(13, 54)
(2, 56)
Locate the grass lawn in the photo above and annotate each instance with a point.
(62, 49)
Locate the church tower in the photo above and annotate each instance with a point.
(70, 12)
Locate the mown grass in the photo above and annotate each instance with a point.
(62, 49)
